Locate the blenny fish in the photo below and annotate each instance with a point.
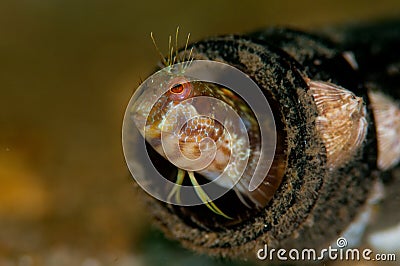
(207, 129)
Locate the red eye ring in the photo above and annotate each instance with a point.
(177, 88)
(180, 89)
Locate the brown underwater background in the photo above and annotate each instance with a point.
(67, 71)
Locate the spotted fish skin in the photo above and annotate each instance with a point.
(177, 130)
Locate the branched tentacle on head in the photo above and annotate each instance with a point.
(173, 51)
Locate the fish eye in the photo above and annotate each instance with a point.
(177, 88)
(180, 90)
